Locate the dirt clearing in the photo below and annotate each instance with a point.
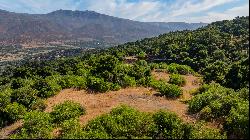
(141, 98)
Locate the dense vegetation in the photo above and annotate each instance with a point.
(219, 52)
(121, 122)
(229, 107)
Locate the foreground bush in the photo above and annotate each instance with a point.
(237, 122)
(214, 102)
(71, 129)
(122, 122)
(126, 122)
(177, 80)
(168, 126)
(199, 131)
(66, 110)
(14, 111)
(37, 125)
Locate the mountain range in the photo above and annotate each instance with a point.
(67, 25)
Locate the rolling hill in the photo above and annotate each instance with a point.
(62, 25)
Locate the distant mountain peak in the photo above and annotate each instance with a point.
(73, 13)
(3, 11)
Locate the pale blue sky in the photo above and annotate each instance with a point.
(140, 10)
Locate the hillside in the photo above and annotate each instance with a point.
(203, 73)
(216, 50)
(62, 25)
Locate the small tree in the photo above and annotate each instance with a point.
(66, 111)
(177, 80)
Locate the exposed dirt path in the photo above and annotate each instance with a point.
(6, 131)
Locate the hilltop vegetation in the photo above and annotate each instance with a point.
(219, 52)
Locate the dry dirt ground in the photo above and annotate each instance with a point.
(141, 98)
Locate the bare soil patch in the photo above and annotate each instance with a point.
(6, 131)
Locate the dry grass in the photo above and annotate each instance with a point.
(143, 99)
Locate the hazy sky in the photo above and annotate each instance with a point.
(140, 10)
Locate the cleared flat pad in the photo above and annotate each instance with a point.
(141, 98)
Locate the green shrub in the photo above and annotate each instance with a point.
(5, 99)
(179, 69)
(25, 96)
(98, 84)
(128, 81)
(170, 90)
(5, 96)
(145, 81)
(15, 111)
(199, 131)
(177, 80)
(19, 82)
(168, 126)
(115, 87)
(47, 87)
(71, 129)
(157, 84)
(206, 87)
(4, 80)
(140, 69)
(237, 122)
(206, 95)
(153, 66)
(198, 102)
(206, 113)
(66, 110)
(142, 55)
(72, 81)
(163, 65)
(122, 122)
(243, 93)
(172, 69)
(217, 102)
(184, 69)
(37, 125)
(39, 105)
(82, 70)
